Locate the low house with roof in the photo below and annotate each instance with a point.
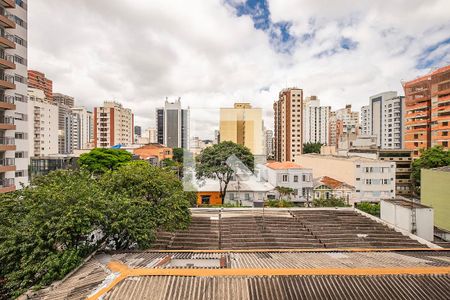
(326, 187)
(154, 153)
(289, 175)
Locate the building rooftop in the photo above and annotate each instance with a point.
(283, 165)
(442, 169)
(258, 275)
(405, 203)
(331, 182)
(248, 258)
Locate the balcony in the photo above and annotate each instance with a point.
(7, 164)
(7, 144)
(7, 185)
(8, 3)
(7, 41)
(7, 82)
(7, 123)
(7, 102)
(7, 62)
(6, 19)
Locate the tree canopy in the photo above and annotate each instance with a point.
(284, 191)
(49, 227)
(311, 147)
(101, 160)
(331, 202)
(178, 155)
(211, 163)
(433, 157)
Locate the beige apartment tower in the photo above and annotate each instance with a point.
(113, 125)
(288, 124)
(243, 125)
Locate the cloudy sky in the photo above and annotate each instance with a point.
(212, 53)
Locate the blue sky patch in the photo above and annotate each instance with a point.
(430, 56)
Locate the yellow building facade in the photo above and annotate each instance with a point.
(243, 125)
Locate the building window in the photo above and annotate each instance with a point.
(21, 154)
(247, 196)
(21, 135)
(285, 178)
(368, 181)
(295, 178)
(206, 199)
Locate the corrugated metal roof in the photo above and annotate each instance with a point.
(283, 287)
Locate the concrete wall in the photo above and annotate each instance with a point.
(434, 193)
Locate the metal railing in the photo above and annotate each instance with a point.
(6, 120)
(7, 162)
(7, 77)
(6, 182)
(7, 57)
(7, 141)
(7, 99)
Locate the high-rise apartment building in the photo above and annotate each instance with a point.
(344, 125)
(243, 125)
(316, 121)
(67, 122)
(83, 128)
(14, 136)
(288, 124)
(113, 125)
(172, 125)
(427, 111)
(38, 80)
(269, 143)
(43, 124)
(384, 118)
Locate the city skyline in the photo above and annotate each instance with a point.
(234, 51)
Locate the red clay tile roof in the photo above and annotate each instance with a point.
(283, 165)
(331, 182)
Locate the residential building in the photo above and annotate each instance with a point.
(38, 80)
(366, 121)
(290, 175)
(403, 165)
(427, 111)
(197, 145)
(434, 193)
(172, 125)
(344, 125)
(83, 128)
(384, 118)
(113, 125)
(316, 121)
(373, 179)
(269, 143)
(14, 136)
(137, 133)
(43, 124)
(288, 124)
(326, 188)
(66, 123)
(154, 152)
(243, 125)
(250, 193)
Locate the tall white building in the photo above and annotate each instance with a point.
(14, 136)
(113, 125)
(43, 124)
(83, 131)
(344, 125)
(384, 117)
(172, 125)
(316, 121)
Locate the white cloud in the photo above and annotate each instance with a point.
(139, 52)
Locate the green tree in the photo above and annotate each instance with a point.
(101, 160)
(311, 147)
(433, 157)
(45, 228)
(211, 163)
(370, 208)
(178, 154)
(159, 190)
(284, 191)
(331, 202)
